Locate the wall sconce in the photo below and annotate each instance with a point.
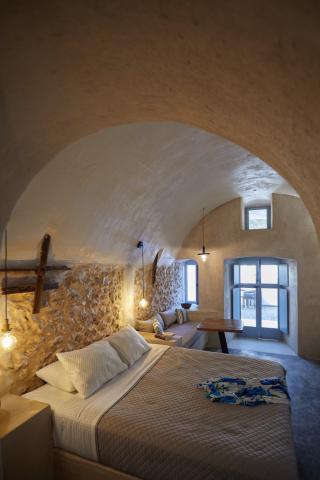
(203, 254)
(7, 339)
(143, 302)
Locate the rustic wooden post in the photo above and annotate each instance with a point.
(40, 272)
(45, 245)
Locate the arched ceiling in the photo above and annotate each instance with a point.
(148, 181)
(248, 71)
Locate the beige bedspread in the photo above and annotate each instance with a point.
(165, 428)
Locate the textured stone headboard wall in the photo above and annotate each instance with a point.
(167, 291)
(86, 307)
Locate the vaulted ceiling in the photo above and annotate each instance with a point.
(146, 181)
(246, 71)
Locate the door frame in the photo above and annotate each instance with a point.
(258, 331)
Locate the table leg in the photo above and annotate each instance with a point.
(223, 342)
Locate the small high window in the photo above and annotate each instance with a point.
(191, 281)
(257, 218)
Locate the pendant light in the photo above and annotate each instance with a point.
(203, 254)
(7, 339)
(143, 302)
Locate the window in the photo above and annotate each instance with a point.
(191, 281)
(257, 218)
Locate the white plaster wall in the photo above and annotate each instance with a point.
(147, 181)
(293, 236)
(245, 70)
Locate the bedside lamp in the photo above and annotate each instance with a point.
(7, 339)
(143, 302)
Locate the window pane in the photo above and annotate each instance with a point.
(191, 283)
(248, 306)
(269, 307)
(248, 274)
(236, 274)
(269, 274)
(257, 218)
(283, 275)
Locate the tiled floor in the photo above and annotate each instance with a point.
(303, 379)
(265, 346)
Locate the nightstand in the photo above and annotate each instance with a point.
(25, 439)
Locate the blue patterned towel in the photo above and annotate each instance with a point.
(246, 391)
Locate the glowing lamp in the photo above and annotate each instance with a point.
(8, 341)
(143, 303)
(203, 254)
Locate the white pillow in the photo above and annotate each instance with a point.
(129, 344)
(55, 375)
(145, 325)
(169, 317)
(92, 366)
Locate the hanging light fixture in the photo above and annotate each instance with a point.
(203, 254)
(7, 339)
(143, 302)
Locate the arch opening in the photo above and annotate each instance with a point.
(144, 180)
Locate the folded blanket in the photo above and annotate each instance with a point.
(246, 391)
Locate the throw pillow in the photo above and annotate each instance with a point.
(181, 316)
(158, 327)
(169, 317)
(145, 325)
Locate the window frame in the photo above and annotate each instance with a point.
(186, 263)
(246, 217)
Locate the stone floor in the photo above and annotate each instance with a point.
(261, 345)
(303, 379)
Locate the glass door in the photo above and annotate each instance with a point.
(260, 297)
(246, 279)
(269, 282)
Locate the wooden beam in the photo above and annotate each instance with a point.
(28, 288)
(48, 268)
(52, 268)
(155, 265)
(41, 272)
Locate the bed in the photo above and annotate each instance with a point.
(151, 423)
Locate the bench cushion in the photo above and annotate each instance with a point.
(188, 332)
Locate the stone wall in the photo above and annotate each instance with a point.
(166, 292)
(86, 307)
